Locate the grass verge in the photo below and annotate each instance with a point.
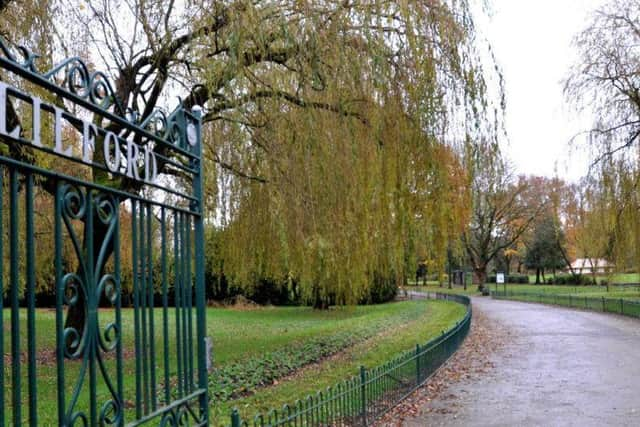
(258, 348)
(433, 318)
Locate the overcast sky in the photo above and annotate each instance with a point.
(532, 43)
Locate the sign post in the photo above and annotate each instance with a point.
(500, 280)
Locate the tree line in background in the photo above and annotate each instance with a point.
(541, 224)
(346, 143)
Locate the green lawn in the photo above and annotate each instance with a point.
(625, 278)
(428, 320)
(611, 278)
(472, 290)
(631, 292)
(246, 343)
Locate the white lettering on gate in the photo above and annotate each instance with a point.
(57, 130)
(112, 165)
(133, 152)
(89, 133)
(151, 169)
(113, 154)
(36, 120)
(15, 133)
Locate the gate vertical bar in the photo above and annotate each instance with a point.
(92, 305)
(189, 311)
(59, 304)
(2, 391)
(116, 260)
(136, 307)
(142, 290)
(183, 308)
(15, 306)
(165, 302)
(152, 335)
(176, 294)
(199, 266)
(31, 302)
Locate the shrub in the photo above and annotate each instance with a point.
(573, 280)
(511, 278)
(522, 279)
(384, 289)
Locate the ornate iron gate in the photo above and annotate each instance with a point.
(102, 209)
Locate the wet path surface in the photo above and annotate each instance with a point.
(561, 368)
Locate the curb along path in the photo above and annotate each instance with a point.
(559, 367)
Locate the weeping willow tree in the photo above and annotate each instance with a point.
(607, 225)
(335, 130)
(346, 191)
(347, 207)
(605, 85)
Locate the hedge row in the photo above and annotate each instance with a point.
(511, 278)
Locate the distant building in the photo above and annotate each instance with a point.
(591, 265)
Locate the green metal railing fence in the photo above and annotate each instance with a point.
(362, 399)
(625, 307)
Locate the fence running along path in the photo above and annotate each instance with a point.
(367, 396)
(625, 307)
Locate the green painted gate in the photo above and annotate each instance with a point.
(101, 207)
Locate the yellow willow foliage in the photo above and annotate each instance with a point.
(610, 226)
(346, 203)
(339, 160)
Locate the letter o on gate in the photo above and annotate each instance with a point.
(113, 165)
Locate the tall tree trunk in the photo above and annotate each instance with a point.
(537, 276)
(480, 277)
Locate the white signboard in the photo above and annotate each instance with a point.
(500, 278)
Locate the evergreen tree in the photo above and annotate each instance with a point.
(545, 251)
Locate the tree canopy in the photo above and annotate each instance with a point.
(545, 251)
(605, 83)
(501, 211)
(336, 132)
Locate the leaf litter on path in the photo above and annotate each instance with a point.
(473, 359)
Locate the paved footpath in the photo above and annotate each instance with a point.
(562, 368)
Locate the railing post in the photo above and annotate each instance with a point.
(417, 365)
(363, 394)
(603, 306)
(621, 306)
(235, 418)
(197, 207)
